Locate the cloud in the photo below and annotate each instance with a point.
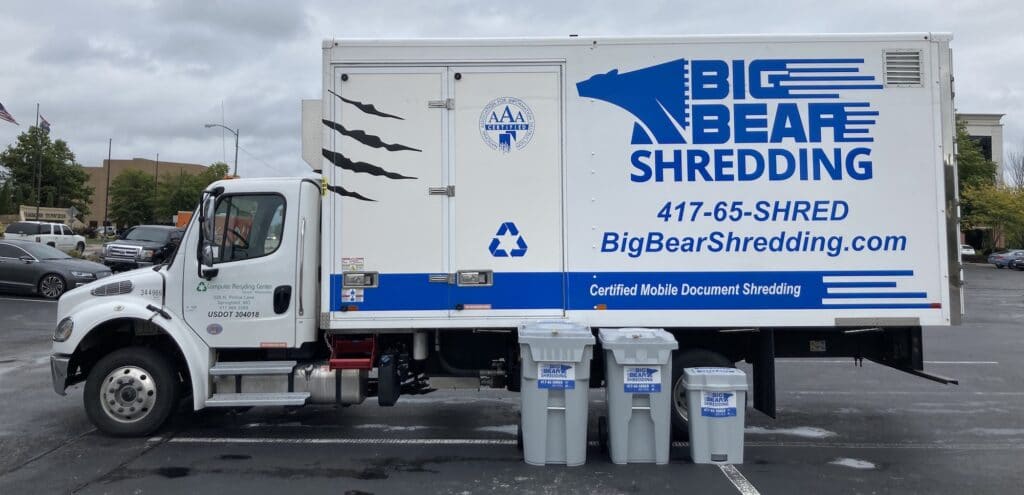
(150, 73)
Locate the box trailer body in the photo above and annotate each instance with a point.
(679, 182)
(756, 196)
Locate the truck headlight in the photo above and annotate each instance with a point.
(63, 331)
(83, 275)
(146, 254)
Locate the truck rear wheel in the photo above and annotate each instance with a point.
(131, 392)
(691, 358)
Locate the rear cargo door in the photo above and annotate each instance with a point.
(385, 154)
(506, 208)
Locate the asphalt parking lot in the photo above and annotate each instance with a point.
(841, 429)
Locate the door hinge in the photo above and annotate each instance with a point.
(441, 191)
(447, 103)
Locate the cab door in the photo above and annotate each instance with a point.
(506, 213)
(247, 297)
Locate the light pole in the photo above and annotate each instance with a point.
(232, 131)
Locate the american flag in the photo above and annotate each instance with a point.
(5, 115)
(44, 124)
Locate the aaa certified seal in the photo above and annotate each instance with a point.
(506, 123)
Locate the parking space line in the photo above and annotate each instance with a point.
(850, 360)
(738, 480)
(341, 441)
(25, 299)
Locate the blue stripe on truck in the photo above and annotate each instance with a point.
(643, 291)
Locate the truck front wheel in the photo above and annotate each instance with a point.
(131, 392)
(692, 358)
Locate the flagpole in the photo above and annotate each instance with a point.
(39, 166)
(156, 183)
(106, 201)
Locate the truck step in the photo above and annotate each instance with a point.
(252, 368)
(261, 399)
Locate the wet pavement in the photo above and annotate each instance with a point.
(841, 429)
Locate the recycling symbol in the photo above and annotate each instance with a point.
(505, 232)
(201, 287)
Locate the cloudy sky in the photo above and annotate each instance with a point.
(150, 73)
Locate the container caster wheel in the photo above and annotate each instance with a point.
(519, 437)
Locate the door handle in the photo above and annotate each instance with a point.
(209, 273)
(282, 298)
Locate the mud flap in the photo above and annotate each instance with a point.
(389, 384)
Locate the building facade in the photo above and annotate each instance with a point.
(986, 129)
(100, 177)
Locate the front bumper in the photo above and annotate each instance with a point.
(59, 372)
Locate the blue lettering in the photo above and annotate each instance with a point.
(788, 124)
(743, 172)
(710, 79)
(645, 169)
(710, 124)
(859, 170)
(750, 122)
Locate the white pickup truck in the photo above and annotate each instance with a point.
(55, 235)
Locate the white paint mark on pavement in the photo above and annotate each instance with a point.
(998, 431)
(851, 360)
(505, 429)
(800, 431)
(853, 463)
(391, 427)
(738, 480)
(341, 441)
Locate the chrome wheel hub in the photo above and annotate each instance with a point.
(679, 405)
(128, 394)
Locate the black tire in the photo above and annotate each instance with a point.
(691, 358)
(999, 267)
(160, 376)
(80, 248)
(519, 436)
(52, 286)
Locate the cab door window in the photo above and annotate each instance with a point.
(248, 226)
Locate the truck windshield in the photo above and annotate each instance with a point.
(148, 234)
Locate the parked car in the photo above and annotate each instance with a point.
(967, 250)
(1003, 258)
(55, 235)
(32, 268)
(142, 245)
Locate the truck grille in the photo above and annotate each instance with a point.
(113, 289)
(117, 251)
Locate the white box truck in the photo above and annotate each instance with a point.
(757, 196)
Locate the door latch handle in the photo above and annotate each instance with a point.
(441, 191)
(209, 273)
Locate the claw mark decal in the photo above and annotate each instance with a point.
(346, 163)
(341, 191)
(367, 139)
(365, 107)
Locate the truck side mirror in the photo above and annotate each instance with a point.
(208, 230)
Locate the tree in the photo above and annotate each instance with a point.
(972, 166)
(182, 192)
(64, 182)
(1015, 168)
(131, 198)
(6, 205)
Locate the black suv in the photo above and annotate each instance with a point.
(142, 245)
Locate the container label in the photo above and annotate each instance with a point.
(717, 404)
(556, 376)
(641, 379)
